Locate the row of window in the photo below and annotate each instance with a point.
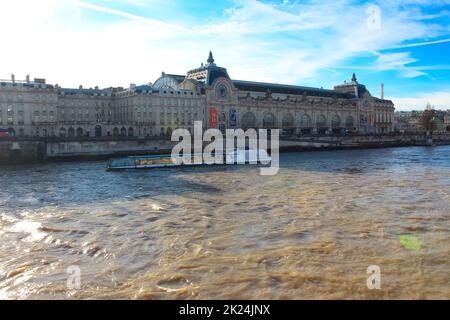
(166, 102)
(383, 117)
(98, 132)
(31, 97)
(36, 117)
(77, 103)
(269, 121)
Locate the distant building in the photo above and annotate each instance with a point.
(411, 121)
(407, 121)
(447, 121)
(208, 94)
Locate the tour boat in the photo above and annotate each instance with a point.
(240, 156)
(160, 161)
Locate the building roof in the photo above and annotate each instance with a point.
(21, 84)
(168, 81)
(214, 73)
(143, 88)
(179, 78)
(89, 91)
(289, 89)
(382, 100)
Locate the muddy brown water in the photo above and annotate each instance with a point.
(309, 232)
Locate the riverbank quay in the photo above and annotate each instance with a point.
(14, 150)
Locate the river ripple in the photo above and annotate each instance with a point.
(226, 232)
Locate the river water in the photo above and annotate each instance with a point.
(309, 232)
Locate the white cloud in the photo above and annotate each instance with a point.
(287, 43)
(152, 22)
(439, 99)
(398, 61)
(420, 44)
(322, 34)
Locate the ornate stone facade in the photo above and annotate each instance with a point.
(207, 93)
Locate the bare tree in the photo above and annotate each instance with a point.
(428, 120)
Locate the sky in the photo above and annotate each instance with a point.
(404, 43)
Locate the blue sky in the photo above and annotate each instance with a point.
(404, 43)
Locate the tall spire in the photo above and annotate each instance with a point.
(210, 58)
(354, 77)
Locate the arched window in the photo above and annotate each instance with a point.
(79, 132)
(305, 122)
(269, 121)
(288, 121)
(21, 132)
(336, 122)
(98, 131)
(321, 121)
(248, 120)
(123, 132)
(71, 132)
(349, 122)
(288, 124)
(130, 132)
(115, 132)
(62, 132)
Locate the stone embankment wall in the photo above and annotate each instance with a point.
(108, 148)
(16, 150)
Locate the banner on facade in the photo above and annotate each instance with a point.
(233, 118)
(363, 120)
(213, 117)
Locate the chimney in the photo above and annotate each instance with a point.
(13, 78)
(382, 90)
(28, 78)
